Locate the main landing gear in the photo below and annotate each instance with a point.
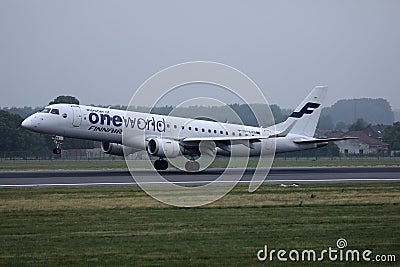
(190, 166)
(57, 139)
(161, 164)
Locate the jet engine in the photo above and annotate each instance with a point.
(163, 148)
(115, 149)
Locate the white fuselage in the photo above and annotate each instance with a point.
(107, 125)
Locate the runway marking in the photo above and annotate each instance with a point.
(205, 182)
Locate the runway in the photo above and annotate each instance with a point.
(123, 177)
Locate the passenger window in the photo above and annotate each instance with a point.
(190, 128)
(196, 129)
(202, 129)
(221, 132)
(215, 131)
(55, 111)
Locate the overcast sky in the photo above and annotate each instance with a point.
(102, 51)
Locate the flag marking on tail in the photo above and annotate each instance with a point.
(307, 109)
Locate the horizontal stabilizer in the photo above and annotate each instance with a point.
(321, 140)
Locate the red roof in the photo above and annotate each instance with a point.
(363, 137)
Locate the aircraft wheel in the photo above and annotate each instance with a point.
(157, 164)
(57, 151)
(161, 164)
(192, 166)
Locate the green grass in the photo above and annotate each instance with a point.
(123, 226)
(23, 165)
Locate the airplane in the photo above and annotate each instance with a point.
(169, 137)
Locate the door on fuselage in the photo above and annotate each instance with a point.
(77, 118)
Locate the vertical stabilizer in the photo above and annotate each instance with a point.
(305, 117)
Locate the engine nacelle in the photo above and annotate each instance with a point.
(163, 148)
(115, 149)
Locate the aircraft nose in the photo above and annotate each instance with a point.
(27, 123)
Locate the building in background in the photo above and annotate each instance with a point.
(364, 145)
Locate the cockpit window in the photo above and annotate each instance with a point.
(55, 111)
(45, 110)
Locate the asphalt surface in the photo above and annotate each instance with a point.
(123, 177)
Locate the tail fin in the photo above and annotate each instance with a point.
(304, 119)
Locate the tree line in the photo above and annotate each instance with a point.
(16, 138)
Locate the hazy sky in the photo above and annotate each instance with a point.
(101, 51)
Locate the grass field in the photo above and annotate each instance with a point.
(123, 226)
(23, 165)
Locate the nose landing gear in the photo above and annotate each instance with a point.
(57, 139)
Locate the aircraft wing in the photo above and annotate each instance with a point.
(233, 140)
(321, 140)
